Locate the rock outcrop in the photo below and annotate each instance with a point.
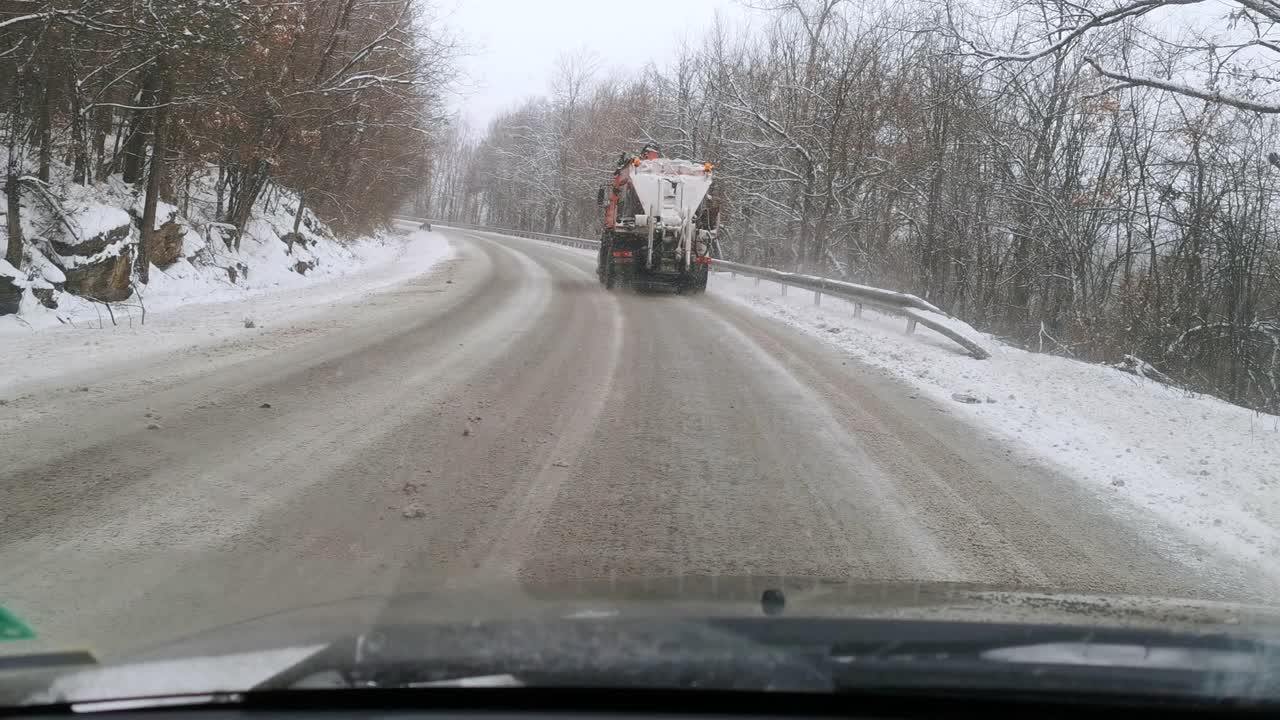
(165, 245)
(67, 245)
(104, 279)
(10, 295)
(98, 265)
(46, 297)
(293, 239)
(237, 272)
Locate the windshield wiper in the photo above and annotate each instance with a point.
(31, 662)
(582, 652)
(159, 701)
(800, 654)
(979, 658)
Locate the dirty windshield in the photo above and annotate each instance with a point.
(320, 315)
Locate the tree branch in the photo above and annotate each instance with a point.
(1207, 95)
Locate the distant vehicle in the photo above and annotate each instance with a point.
(425, 226)
(659, 223)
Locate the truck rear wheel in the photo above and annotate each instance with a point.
(694, 284)
(610, 274)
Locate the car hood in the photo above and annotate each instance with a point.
(244, 654)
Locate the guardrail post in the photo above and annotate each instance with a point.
(911, 325)
(784, 289)
(817, 297)
(857, 310)
(757, 281)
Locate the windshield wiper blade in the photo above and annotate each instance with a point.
(141, 702)
(582, 652)
(46, 660)
(1052, 660)
(146, 703)
(473, 681)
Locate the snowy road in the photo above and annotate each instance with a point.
(534, 428)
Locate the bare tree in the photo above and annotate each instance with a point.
(1023, 188)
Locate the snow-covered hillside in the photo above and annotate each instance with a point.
(1148, 450)
(81, 243)
(193, 318)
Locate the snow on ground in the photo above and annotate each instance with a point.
(95, 217)
(190, 308)
(1202, 466)
(270, 269)
(210, 267)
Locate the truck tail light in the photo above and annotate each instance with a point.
(622, 253)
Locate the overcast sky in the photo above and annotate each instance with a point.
(515, 43)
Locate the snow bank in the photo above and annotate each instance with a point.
(96, 217)
(71, 262)
(184, 314)
(208, 269)
(1207, 470)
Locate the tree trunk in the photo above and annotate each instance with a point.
(141, 125)
(1018, 309)
(220, 189)
(102, 117)
(135, 148)
(13, 197)
(79, 140)
(297, 218)
(44, 129)
(13, 170)
(240, 206)
(159, 123)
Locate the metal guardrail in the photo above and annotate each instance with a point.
(558, 239)
(916, 310)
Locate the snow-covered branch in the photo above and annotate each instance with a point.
(1213, 96)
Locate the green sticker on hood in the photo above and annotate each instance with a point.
(11, 628)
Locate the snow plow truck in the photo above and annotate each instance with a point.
(660, 218)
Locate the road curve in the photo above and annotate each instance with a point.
(534, 428)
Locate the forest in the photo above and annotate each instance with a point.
(334, 102)
(1096, 180)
